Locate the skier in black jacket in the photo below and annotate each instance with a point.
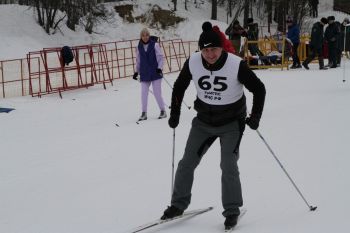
(219, 78)
(316, 44)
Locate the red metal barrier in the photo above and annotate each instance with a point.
(93, 64)
(48, 74)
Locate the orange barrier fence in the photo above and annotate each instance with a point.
(43, 72)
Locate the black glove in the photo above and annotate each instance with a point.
(159, 71)
(135, 76)
(173, 120)
(253, 122)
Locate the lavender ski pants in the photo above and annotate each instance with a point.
(157, 92)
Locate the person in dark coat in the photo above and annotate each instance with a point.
(313, 8)
(253, 35)
(331, 35)
(316, 44)
(340, 42)
(345, 36)
(219, 78)
(294, 36)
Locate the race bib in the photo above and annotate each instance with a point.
(219, 87)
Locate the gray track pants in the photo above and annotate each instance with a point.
(200, 139)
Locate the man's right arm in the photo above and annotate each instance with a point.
(179, 89)
(180, 86)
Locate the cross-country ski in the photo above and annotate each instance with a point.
(187, 214)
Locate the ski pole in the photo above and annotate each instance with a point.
(172, 165)
(311, 208)
(183, 101)
(150, 91)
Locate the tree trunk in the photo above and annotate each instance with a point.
(214, 9)
(175, 4)
(230, 8)
(246, 13)
(269, 14)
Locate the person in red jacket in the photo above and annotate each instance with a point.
(226, 44)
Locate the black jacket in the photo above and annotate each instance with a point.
(332, 33)
(217, 115)
(317, 36)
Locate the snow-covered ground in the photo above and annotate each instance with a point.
(65, 167)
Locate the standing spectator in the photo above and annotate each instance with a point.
(340, 43)
(294, 36)
(332, 35)
(253, 29)
(235, 32)
(345, 34)
(253, 35)
(316, 44)
(149, 64)
(219, 78)
(313, 8)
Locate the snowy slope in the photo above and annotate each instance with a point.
(66, 168)
(20, 33)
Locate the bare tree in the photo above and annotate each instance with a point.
(214, 9)
(8, 1)
(298, 10)
(46, 11)
(76, 9)
(175, 4)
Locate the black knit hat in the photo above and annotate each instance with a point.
(250, 20)
(329, 18)
(209, 38)
(324, 20)
(207, 26)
